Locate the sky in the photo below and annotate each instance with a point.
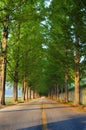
(47, 3)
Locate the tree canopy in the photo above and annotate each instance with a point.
(46, 42)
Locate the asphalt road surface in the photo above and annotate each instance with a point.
(42, 114)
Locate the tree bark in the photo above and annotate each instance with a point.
(24, 90)
(57, 93)
(23, 93)
(15, 86)
(30, 93)
(77, 85)
(50, 94)
(27, 92)
(77, 74)
(66, 88)
(3, 81)
(4, 52)
(15, 92)
(34, 94)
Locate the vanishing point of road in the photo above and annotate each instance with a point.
(42, 114)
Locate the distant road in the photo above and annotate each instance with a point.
(41, 114)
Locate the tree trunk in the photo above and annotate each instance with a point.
(50, 94)
(23, 90)
(57, 93)
(27, 93)
(66, 88)
(30, 93)
(0, 79)
(34, 94)
(23, 93)
(77, 74)
(15, 92)
(54, 92)
(3, 81)
(15, 86)
(77, 85)
(4, 51)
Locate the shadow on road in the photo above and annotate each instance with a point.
(74, 123)
(32, 104)
(39, 127)
(31, 109)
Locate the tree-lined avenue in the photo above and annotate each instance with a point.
(42, 47)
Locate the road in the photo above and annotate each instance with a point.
(42, 114)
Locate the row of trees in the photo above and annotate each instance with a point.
(66, 53)
(21, 40)
(42, 46)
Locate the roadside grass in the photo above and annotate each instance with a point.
(70, 102)
(9, 100)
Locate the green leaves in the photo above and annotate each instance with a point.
(42, 40)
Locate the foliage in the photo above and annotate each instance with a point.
(41, 43)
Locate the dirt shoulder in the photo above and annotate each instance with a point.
(80, 108)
